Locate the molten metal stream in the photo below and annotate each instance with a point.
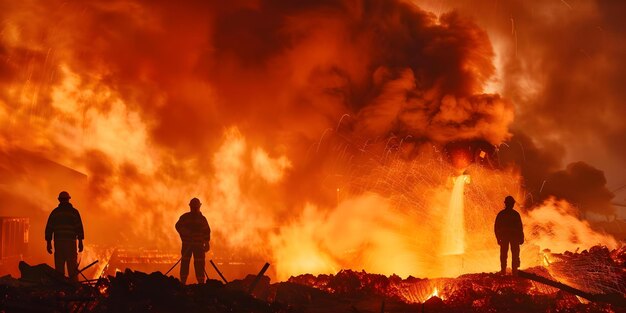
(454, 225)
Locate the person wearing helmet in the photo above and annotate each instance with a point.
(509, 231)
(195, 234)
(65, 227)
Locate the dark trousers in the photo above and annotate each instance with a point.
(65, 253)
(504, 250)
(198, 262)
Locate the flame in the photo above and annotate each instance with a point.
(435, 294)
(103, 288)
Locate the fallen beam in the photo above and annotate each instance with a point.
(84, 268)
(88, 266)
(258, 277)
(614, 299)
(218, 272)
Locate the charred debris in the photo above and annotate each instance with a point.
(41, 289)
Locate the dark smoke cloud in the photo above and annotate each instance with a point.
(578, 64)
(579, 183)
(195, 67)
(583, 185)
(562, 66)
(535, 162)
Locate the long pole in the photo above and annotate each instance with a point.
(218, 272)
(173, 266)
(206, 275)
(88, 266)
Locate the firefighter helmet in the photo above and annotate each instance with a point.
(64, 195)
(195, 203)
(509, 200)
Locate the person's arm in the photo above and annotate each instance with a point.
(520, 228)
(48, 233)
(179, 226)
(206, 234)
(497, 227)
(80, 231)
(206, 230)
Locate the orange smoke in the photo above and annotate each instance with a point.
(554, 225)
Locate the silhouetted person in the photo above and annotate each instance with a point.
(195, 234)
(65, 227)
(509, 231)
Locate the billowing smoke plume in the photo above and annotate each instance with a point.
(138, 94)
(583, 185)
(560, 63)
(579, 183)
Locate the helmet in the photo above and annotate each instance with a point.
(509, 200)
(64, 195)
(195, 203)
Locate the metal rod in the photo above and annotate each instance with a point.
(258, 277)
(173, 266)
(88, 266)
(206, 275)
(83, 275)
(218, 272)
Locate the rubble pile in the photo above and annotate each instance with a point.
(41, 289)
(539, 289)
(597, 270)
(598, 273)
(133, 291)
(484, 292)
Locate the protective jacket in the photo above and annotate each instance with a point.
(193, 228)
(508, 227)
(64, 223)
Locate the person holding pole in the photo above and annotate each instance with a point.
(195, 235)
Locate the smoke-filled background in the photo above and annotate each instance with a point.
(319, 135)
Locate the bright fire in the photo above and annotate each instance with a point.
(435, 293)
(316, 145)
